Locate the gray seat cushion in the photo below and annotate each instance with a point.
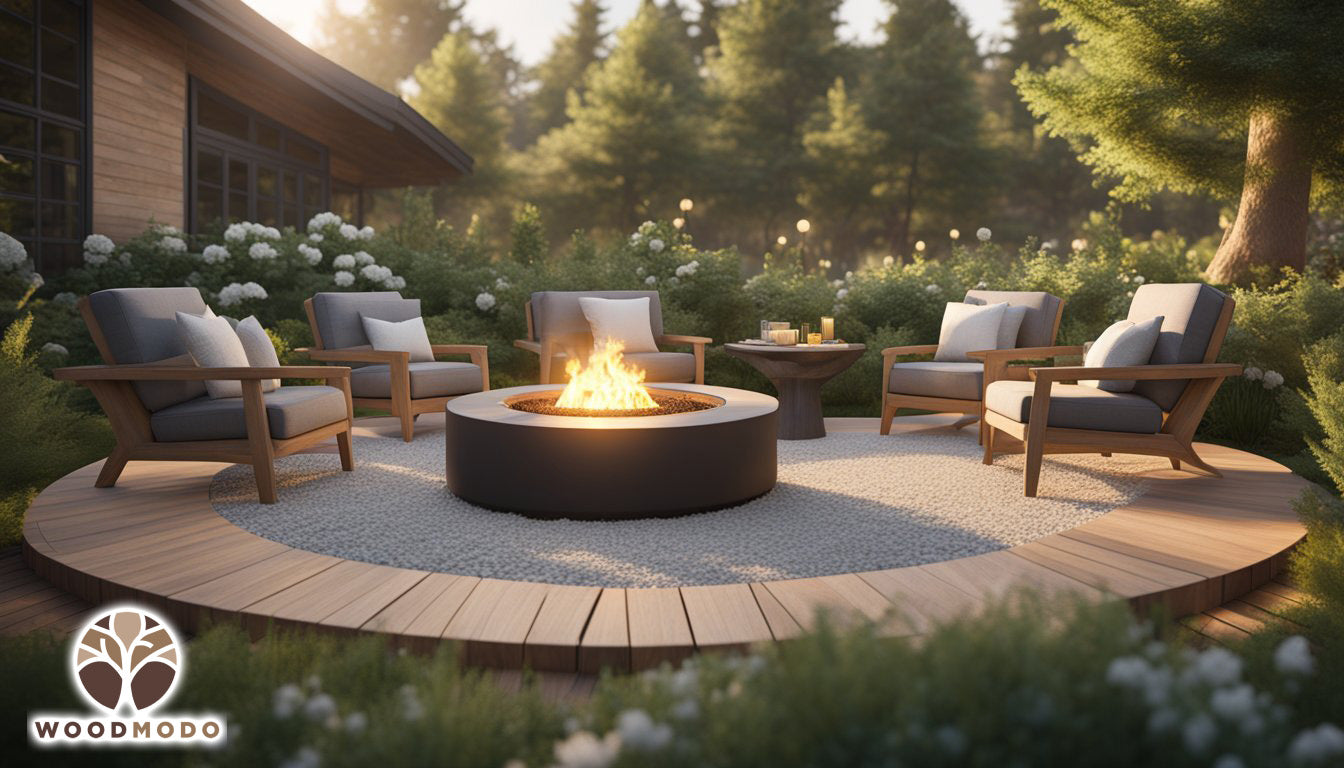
(1038, 327)
(291, 411)
(434, 379)
(961, 381)
(338, 315)
(664, 366)
(139, 326)
(557, 314)
(1190, 312)
(1073, 406)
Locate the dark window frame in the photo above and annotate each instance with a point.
(232, 149)
(44, 249)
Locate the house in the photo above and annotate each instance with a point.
(188, 113)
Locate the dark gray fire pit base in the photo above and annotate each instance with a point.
(611, 468)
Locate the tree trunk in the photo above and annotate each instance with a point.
(900, 233)
(1271, 226)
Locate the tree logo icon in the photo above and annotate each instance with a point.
(127, 658)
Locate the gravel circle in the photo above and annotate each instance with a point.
(845, 503)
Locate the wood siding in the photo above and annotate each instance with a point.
(139, 119)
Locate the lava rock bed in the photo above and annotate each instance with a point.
(667, 405)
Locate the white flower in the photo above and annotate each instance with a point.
(933, 288)
(316, 237)
(236, 232)
(650, 280)
(1253, 373)
(501, 284)
(1139, 280)
(320, 707)
(1124, 278)
(235, 293)
(983, 234)
(635, 238)
(356, 722)
(1293, 657)
(310, 254)
(584, 750)
(1316, 746)
(1234, 704)
(36, 280)
(1199, 733)
(686, 709)
(411, 707)
(887, 261)
(647, 228)
(1127, 672)
(485, 301)
(349, 231)
(638, 731)
(841, 294)
(343, 278)
(323, 220)
(395, 283)
(286, 700)
(1215, 667)
(639, 271)
(674, 280)
(262, 252)
(1078, 244)
(982, 285)
(656, 245)
(215, 254)
(363, 257)
(172, 244)
(66, 298)
(366, 232)
(100, 244)
(344, 261)
(1229, 761)
(53, 348)
(375, 273)
(1272, 380)
(307, 757)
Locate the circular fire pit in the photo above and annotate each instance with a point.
(611, 467)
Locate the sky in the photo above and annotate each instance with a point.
(531, 24)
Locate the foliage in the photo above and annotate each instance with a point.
(386, 39)
(565, 69)
(1325, 377)
(1245, 408)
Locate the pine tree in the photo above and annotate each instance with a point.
(573, 52)
(1233, 97)
(776, 60)
(838, 188)
(630, 148)
(387, 39)
(922, 96)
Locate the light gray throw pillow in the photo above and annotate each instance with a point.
(1011, 324)
(405, 336)
(260, 351)
(1124, 344)
(968, 328)
(212, 343)
(622, 320)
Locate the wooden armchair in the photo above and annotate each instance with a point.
(389, 381)
(1049, 414)
(558, 331)
(154, 396)
(958, 387)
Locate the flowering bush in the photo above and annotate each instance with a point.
(1245, 407)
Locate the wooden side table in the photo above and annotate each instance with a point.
(798, 373)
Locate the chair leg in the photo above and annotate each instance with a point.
(112, 467)
(264, 470)
(1193, 460)
(888, 413)
(407, 425)
(1107, 454)
(1175, 463)
(988, 433)
(965, 421)
(1035, 450)
(344, 445)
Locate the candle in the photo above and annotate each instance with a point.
(785, 337)
(814, 338)
(828, 329)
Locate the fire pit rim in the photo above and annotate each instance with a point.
(737, 404)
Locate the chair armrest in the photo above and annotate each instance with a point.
(671, 338)
(1025, 353)
(1138, 372)
(917, 349)
(459, 349)
(192, 373)
(355, 355)
(529, 345)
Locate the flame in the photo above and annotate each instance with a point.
(606, 383)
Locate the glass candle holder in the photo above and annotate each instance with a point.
(786, 337)
(765, 330)
(814, 338)
(828, 329)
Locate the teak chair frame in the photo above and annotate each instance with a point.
(572, 344)
(1174, 440)
(400, 404)
(996, 369)
(112, 384)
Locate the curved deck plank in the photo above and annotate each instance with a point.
(1191, 543)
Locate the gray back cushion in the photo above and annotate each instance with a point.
(1038, 327)
(338, 315)
(557, 313)
(140, 326)
(1191, 311)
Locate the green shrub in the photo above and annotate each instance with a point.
(1245, 408)
(1325, 368)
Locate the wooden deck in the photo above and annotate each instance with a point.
(1191, 543)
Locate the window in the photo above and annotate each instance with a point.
(247, 167)
(43, 134)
